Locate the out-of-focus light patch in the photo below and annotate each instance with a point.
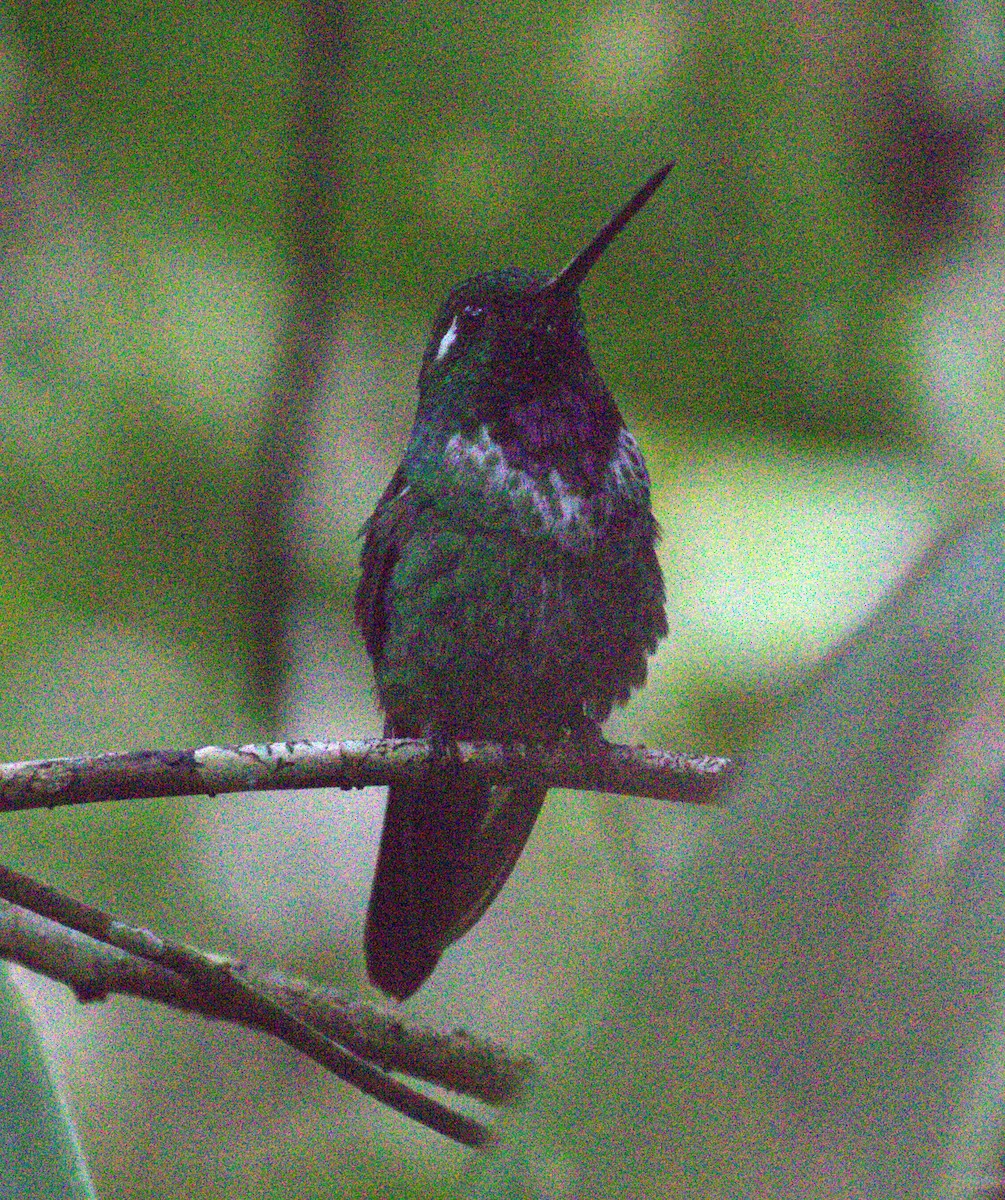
(211, 323)
(80, 689)
(772, 558)
(194, 323)
(622, 51)
(971, 61)
(958, 355)
(471, 184)
(116, 305)
(280, 865)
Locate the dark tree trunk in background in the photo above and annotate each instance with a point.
(305, 341)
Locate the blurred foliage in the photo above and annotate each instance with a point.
(182, 109)
(41, 1158)
(797, 327)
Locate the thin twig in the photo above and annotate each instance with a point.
(457, 1060)
(212, 770)
(215, 985)
(94, 970)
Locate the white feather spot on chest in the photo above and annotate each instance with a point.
(545, 507)
(548, 507)
(627, 468)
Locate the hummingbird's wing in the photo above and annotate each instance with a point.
(385, 533)
(445, 853)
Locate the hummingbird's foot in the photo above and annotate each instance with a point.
(444, 753)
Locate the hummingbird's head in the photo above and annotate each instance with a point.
(508, 351)
(501, 326)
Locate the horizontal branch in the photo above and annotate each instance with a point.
(94, 953)
(212, 770)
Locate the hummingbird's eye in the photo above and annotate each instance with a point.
(465, 320)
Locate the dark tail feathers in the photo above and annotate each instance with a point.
(445, 853)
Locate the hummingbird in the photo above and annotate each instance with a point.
(510, 588)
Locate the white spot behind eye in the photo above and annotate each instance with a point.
(447, 340)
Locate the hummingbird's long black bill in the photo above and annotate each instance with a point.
(571, 276)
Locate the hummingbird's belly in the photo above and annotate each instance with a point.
(496, 637)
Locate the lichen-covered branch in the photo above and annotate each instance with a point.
(456, 1060)
(211, 770)
(96, 954)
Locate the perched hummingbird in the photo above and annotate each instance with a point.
(510, 588)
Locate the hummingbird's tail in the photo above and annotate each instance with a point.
(445, 853)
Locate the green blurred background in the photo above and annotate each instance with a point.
(804, 328)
